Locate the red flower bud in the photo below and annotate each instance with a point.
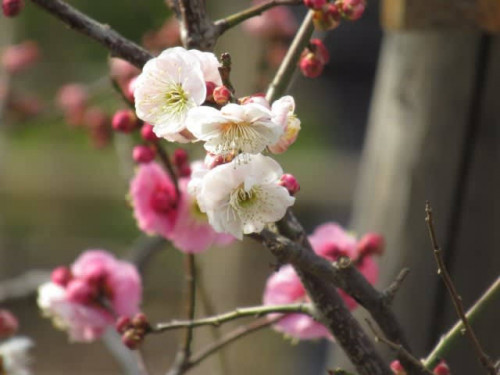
(143, 154)
(311, 66)
(222, 95)
(12, 8)
(289, 182)
(8, 324)
(319, 49)
(140, 321)
(352, 9)
(147, 133)
(397, 368)
(124, 121)
(184, 171)
(210, 91)
(180, 157)
(61, 276)
(314, 4)
(328, 18)
(441, 369)
(122, 324)
(132, 339)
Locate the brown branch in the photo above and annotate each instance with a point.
(198, 31)
(165, 159)
(116, 43)
(455, 297)
(398, 349)
(233, 20)
(390, 292)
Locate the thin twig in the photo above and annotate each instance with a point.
(229, 338)
(104, 34)
(217, 320)
(398, 348)
(165, 159)
(285, 72)
(390, 292)
(233, 20)
(455, 297)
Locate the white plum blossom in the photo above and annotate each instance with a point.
(235, 128)
(14, 356)
(242, 197)
(169, 86)
(283, 113)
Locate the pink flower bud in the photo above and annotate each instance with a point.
(353, 9)
(61, 276)
(164, 199)
(371, 244)
(320, 51)
(222, 95)
(289, 182)
(210, 91)
(314, 4)
(8, 324)
(184, 171)
(397, 368)
(147, 133)
(180, 157)
(129, 90)
(441, 369)
(19, 57)
(80, 291)
(124, 121)
(12, 8)
(327, 18)
(140, 321)
(132, 339)
(143, 154)
(122, 324)
(311, 66)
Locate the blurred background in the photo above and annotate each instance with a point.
(376, 142)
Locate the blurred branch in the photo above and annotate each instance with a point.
(144, 249)
(255, 311)
(456, 332)
(455, 297)
(391, 291)
(233, 20)
(104, 34)
(23, 285)
(123, 355)
(285, 72)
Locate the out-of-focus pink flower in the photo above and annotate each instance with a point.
(102, 286)
(274, 23)
(99, 125)
(167, 36)
(8, 324)
(397, 368)
(143, 154)
(122, 71)
(72, 99)
(441, 369)
(353, 9)
(330, 241)
(12, 8)
(154, 200)
(19, 57)
(192, 232)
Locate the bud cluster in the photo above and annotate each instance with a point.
(314, 58)
(133, 330)
(328, 14)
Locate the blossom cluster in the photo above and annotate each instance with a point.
(182, 95)
(85, 298)
(329, 241)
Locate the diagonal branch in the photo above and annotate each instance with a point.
(455, 297)
(233, 20)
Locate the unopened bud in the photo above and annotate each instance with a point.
(317, 47)
(371, 244)
(143, 154)
(125, 121)
(352, 9)
(80, 291)
(132, 339)
(397, 368)
(184, 171)
(441, 369)
(147, 133)
(222, 95)
(140, 321)
(61, 276)
(180, 157)
(289, 182)
(311, 66)
(122, 324)
(328, 18)
(8, 324)
(210, 91)
(314, 4)
(12, 8)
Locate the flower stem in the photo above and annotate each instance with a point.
(451, 338)
(285, 72)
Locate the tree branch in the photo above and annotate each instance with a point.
(117, 44)
(197, 29)
(233, 20)
(455, 297)
(217, 320)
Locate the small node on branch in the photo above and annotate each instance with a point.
(225, 71)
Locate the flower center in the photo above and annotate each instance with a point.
(235, 135)
(164, 199)
(240, 198)
(176, 98)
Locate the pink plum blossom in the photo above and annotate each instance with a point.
(154, 199)
(330, 241)
(101, 287)
(283, 111)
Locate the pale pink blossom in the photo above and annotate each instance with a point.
(283, 111)
(19, 57)
(14, 356)
(154, 200)
(101, 287)
(276, 22)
